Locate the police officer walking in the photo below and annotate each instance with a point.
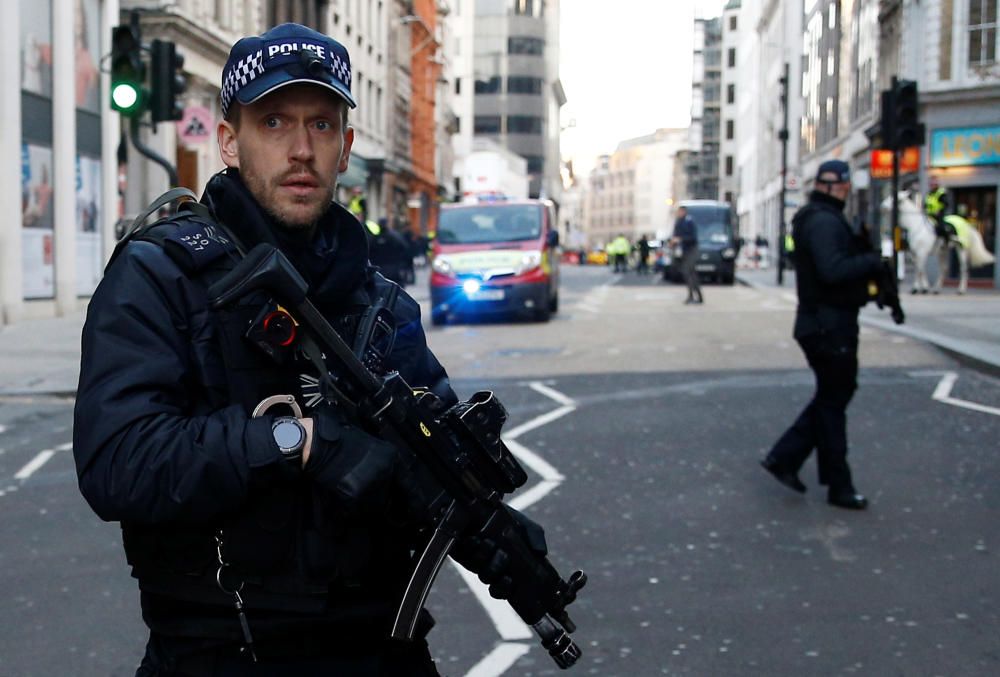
(264, 541)
(686, 237)
(832, 273)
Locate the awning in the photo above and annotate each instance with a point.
(356, 174)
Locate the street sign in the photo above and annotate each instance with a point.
(196, 125)
(881, 162)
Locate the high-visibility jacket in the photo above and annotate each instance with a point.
(934, 205)
(963, 229)
(356, 205)
(373, 227)
(619, 245)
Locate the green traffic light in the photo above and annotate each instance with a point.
(125, 96)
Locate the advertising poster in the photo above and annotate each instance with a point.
(87, 55)
(36, 47)
(88, 220)
(37, 218)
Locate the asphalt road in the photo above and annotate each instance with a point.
(652, 415)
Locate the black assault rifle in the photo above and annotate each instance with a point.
(462, 467)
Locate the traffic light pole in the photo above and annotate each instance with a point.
(150, 153)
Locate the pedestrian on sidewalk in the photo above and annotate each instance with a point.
(685, 236)
(832, 271)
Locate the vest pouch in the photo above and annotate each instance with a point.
(259, 539)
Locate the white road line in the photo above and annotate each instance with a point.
(942, 393)
(499, 660)
(509, 625)
(538, 422)
(540, 387)
(64, 447)
(34, 464)
(3, 428)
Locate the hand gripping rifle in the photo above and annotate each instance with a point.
(886, 293)
(461, 466)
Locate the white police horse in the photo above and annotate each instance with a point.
(923, 242)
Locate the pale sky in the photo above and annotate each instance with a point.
(626, 68)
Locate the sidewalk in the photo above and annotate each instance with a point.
(968, 327)
(41, 356)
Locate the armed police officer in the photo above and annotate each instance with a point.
(264, 541)
(833, 268)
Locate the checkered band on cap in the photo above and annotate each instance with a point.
(241, 74)
(341, 68)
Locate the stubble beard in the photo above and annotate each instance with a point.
(267, 190)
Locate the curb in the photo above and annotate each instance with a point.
(958, 349)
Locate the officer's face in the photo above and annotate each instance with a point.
(289, 147)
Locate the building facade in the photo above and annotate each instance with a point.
(70, 162)
(728, 94)
(506, 84)
(703, 162)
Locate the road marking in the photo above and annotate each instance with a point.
(34, 464)
(3, 428)
(499, 660)
(509, 625)
(942, 393)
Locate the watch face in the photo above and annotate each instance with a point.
(288, 434)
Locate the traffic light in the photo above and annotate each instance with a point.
(168, 82)
(907, 129)
(128, 72)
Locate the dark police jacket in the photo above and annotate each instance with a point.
(832, 269)
(164, 441)
(686, 231)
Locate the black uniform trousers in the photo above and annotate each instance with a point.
(822, 425)
(689, 263)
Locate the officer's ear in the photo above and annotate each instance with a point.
(345, 155)
(228, 144)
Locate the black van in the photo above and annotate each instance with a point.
(718, 241)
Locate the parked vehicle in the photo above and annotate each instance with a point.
(495, 257)
(718, 242)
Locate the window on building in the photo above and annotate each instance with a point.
(982, 32)
(486, 124)
(525, 45)
(729, 196)
(729, 129)
(491, 86)
(731, 57)
(732, 23)
(306, 12)
(458, 85)
(729, 165)
(535, 163)
(730, 93)
(519, 84)
(529, 7)
(524, 124)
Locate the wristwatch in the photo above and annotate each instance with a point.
(290, 436)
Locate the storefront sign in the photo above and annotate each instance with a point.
(964, 146)
(881, 162)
